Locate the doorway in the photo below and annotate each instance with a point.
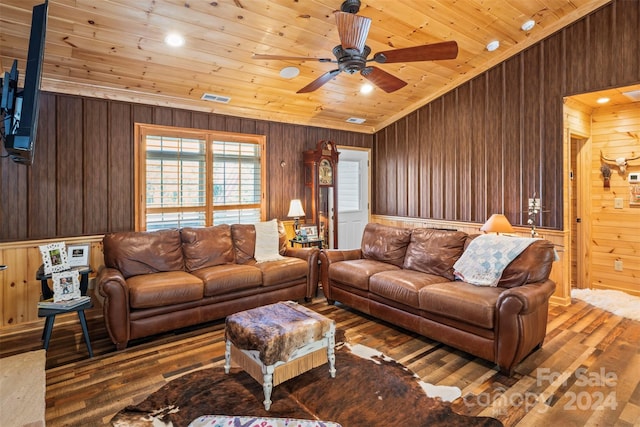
(353, 195)
(579, 181)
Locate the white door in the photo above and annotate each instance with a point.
(353, 196)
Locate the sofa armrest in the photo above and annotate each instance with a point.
(530, 296)
(113, 287)
(328, 256)
(310, 255)
(521, 322)
(335, 255)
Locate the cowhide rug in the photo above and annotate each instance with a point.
(368, 391)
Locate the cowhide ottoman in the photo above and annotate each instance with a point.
(277, 342)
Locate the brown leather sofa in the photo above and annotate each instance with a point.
(160, 281)
(405, 276)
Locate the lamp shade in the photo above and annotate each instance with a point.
(295, 209)
(497, 223)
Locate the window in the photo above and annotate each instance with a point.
(349, 185)
(196, 178)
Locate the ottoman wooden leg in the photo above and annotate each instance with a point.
(227, 357)
(267, 385)
(331, 354)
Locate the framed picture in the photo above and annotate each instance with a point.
(66, 286)
(309, 231)
(78, 255)
(54, 257)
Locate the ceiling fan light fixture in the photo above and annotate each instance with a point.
(528, 25)
(289, 72)
(491, 46)
(353, 30)
(174, 39)
(366, 88)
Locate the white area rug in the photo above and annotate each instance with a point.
(617, 302)
(22, 389)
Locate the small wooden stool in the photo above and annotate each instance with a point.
(277, 342)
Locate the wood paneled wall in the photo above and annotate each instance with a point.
(615, 233)
(81, 182)
(486, 146)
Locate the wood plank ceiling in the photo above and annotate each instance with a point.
(115, 49)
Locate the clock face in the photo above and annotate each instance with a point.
(325, 172)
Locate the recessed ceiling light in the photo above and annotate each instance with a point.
(289, 72)
(603, 100)
(491, 46)
(528, 25)
(366, 88)
(356, 120)
(174, 40)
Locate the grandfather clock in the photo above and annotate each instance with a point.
(321, 191)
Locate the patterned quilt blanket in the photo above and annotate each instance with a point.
(486, 257)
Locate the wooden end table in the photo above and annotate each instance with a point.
(51, 313)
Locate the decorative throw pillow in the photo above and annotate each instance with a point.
(267, 241)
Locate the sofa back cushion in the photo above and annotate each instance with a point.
(244, 241)
(385, 243)
(207, 247)
(531, 266)
(143, 252)
(434, 251)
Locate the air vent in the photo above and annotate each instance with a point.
(216, 98)
(356, 120)
(633, 95)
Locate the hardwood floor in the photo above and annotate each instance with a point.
(587, 373)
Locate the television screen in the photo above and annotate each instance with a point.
(22, 106)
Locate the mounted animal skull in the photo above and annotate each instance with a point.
(621, 162)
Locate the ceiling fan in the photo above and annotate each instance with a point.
(351, 55)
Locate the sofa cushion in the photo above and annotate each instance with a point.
(468, 303)
(356, 273)
(385, 243)
(532, 265)
(244, 241)
(222, 279)
(162, 289)
(207, 247)
(402, 286)
(283, 271)
(143, 252)
(434, 251)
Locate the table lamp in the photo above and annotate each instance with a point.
(295, 212)
(497, 223)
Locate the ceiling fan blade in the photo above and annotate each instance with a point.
(427, 52)
(317, 83)
(353, 30)
(291, 58)
(385, 81)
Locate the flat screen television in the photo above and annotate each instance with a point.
(20, 106)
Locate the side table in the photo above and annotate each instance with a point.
(306, 243)
(51, 313)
